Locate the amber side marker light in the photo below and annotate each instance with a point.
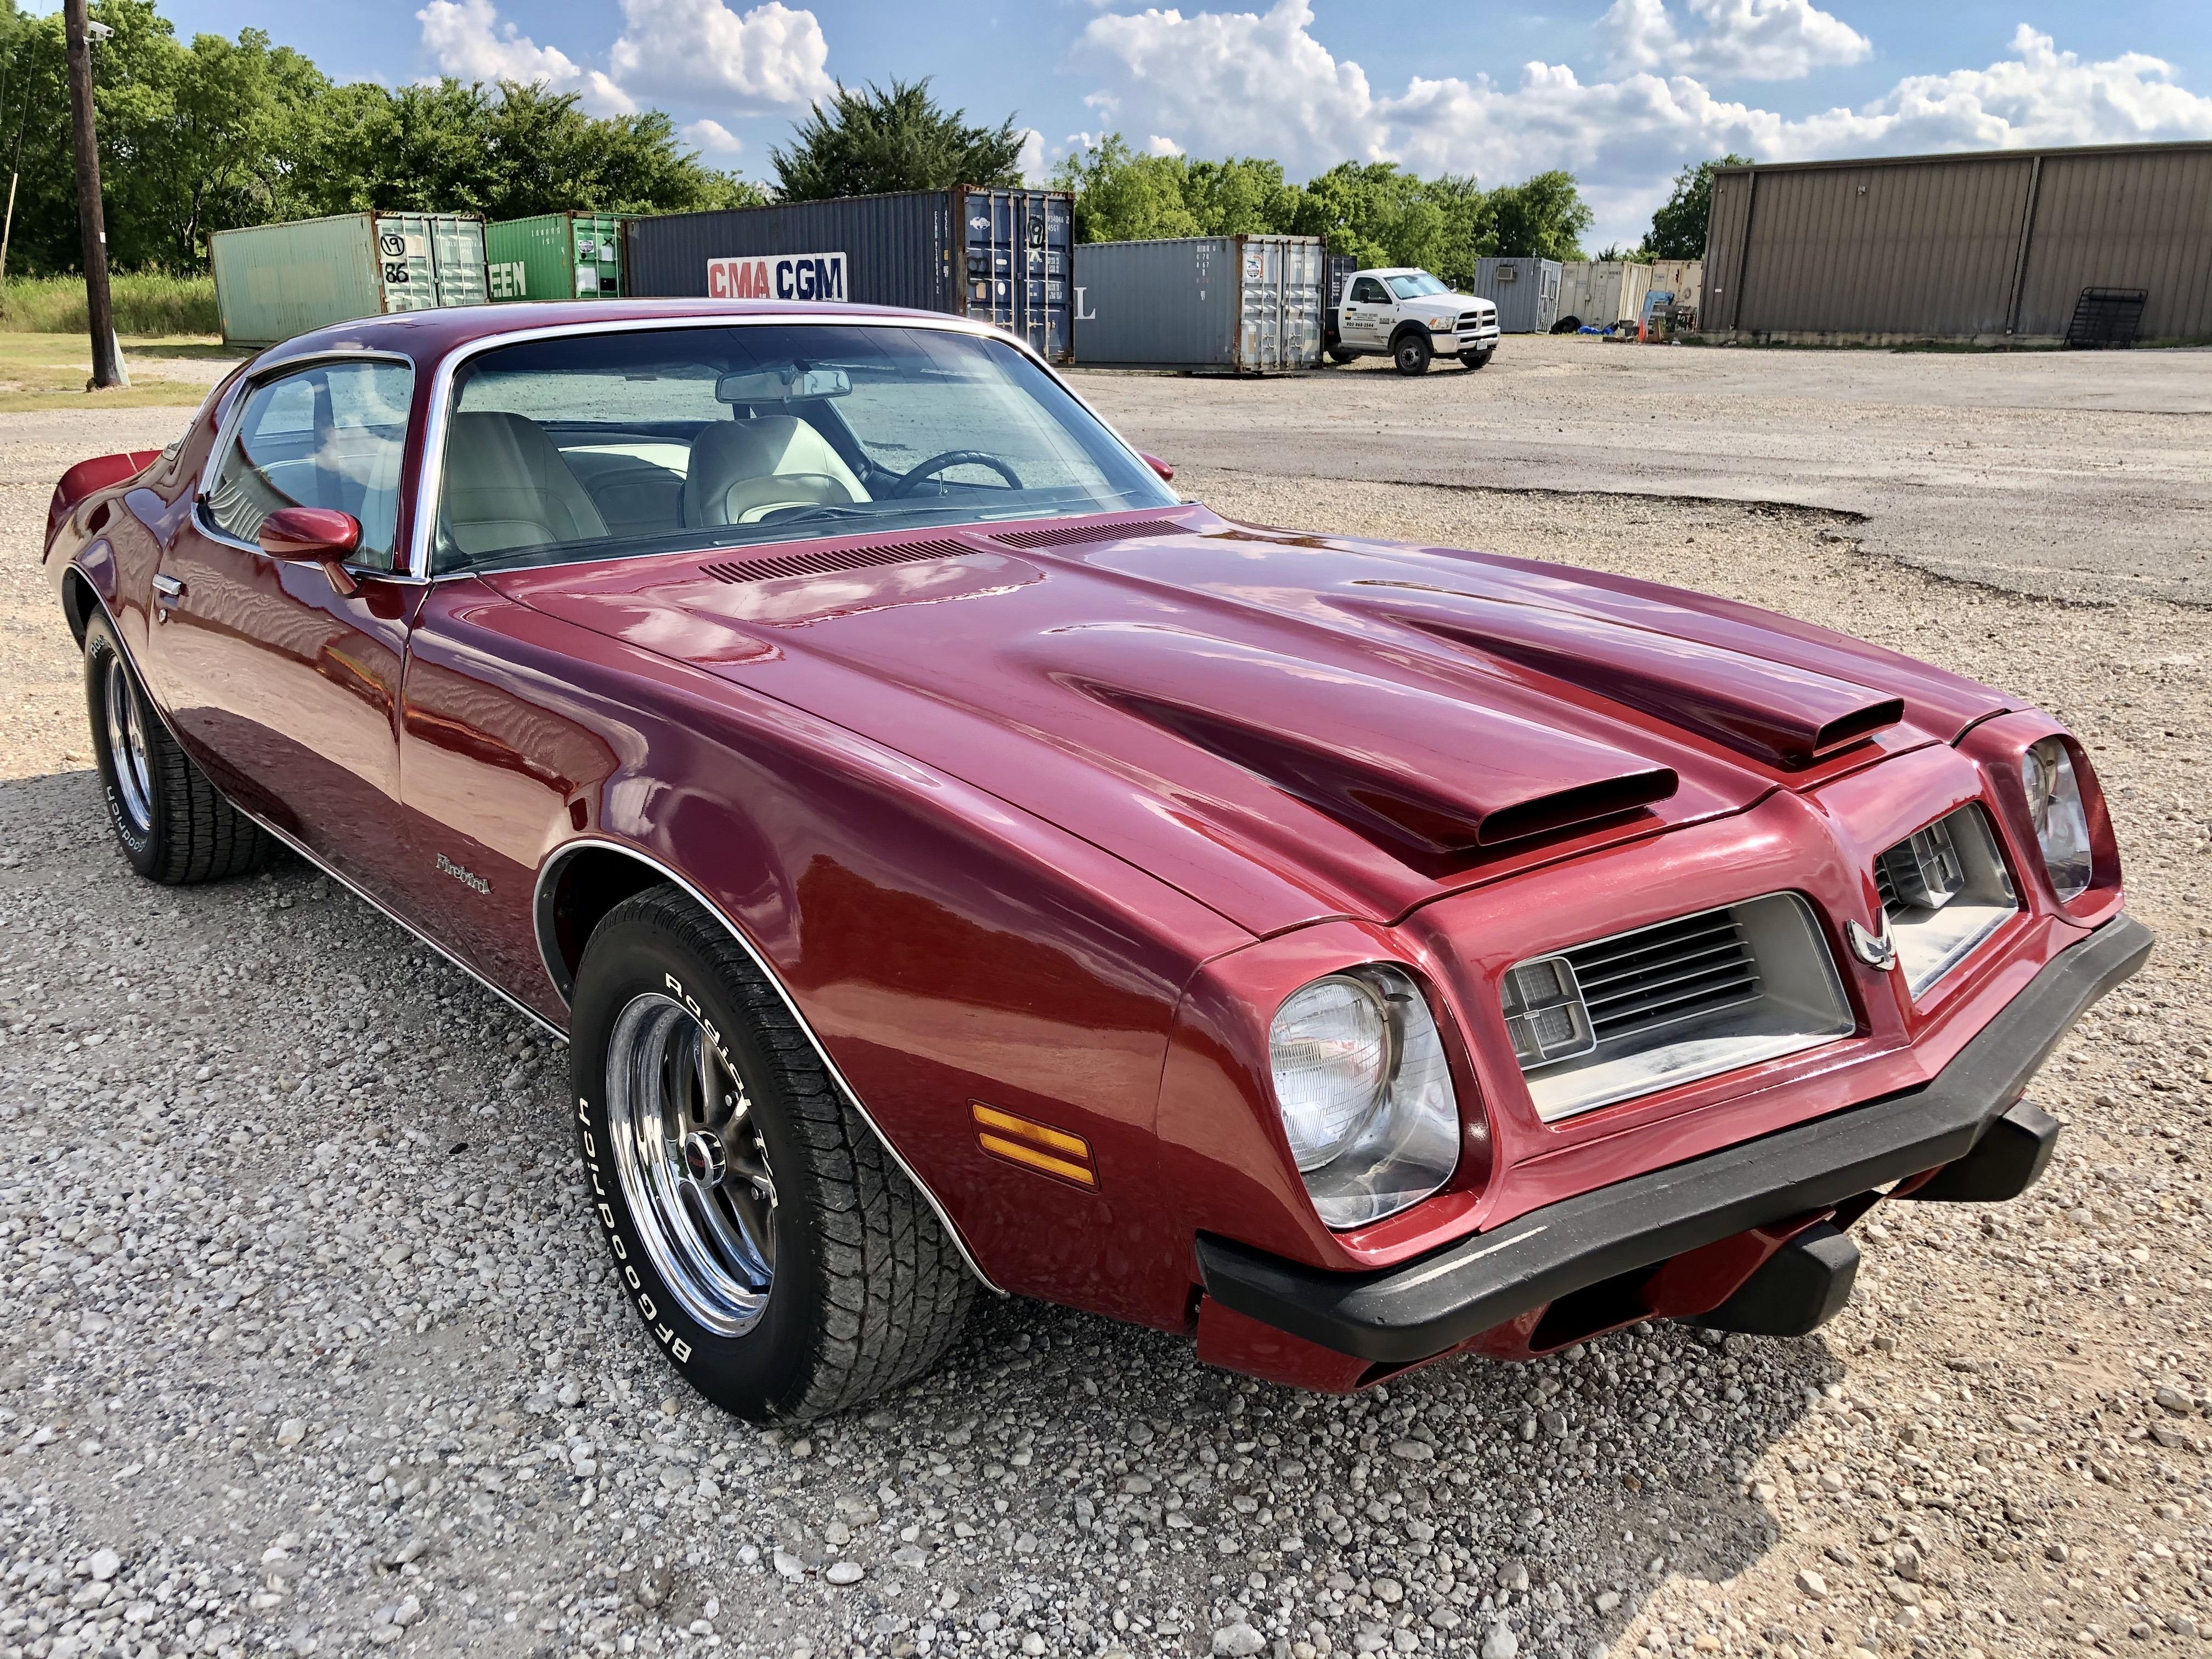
(1033, 1145)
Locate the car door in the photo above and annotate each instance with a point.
(282, 677)
(1366, 318)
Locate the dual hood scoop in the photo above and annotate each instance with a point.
(1787, 716)
(1417, 768)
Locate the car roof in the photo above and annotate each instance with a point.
(426, 336)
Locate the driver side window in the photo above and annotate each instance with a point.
(1367, 291)
(331, 436)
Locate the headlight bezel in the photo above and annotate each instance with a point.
(1407, 1146)
(2057, 820)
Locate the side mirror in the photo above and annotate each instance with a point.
(1166, 472)
(313, 535)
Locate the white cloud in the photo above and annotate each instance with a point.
(1031, 160)
(1748, 39)
(466, 39)
(1262, 84)
(1159, 146)
(772, 57)
(713, 137)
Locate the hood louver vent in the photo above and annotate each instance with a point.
(1077, 534)
(828, 562)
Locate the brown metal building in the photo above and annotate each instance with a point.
(1989, 245)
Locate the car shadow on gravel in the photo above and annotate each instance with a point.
(322, 1297)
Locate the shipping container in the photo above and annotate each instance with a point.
(1602, 292)
(1683, 278)
(1525, 291)
(555, 256)
(1990, 245)
(272, 282)
(1231, 305)
(997, 256)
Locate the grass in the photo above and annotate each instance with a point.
(49, 371)
(146, 303)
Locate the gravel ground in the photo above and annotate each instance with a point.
(307, 1345)
(2084, 475)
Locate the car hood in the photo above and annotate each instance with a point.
(1284, 726)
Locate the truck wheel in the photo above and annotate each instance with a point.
(1477, 359)
(168, 819)
(776, 1252)
(1340, 355)
(1412, 353)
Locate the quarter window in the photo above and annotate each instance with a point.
(329, 436)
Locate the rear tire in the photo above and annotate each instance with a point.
(779, 1257)
(1411, 354)
(168, 819)
(1338, 354)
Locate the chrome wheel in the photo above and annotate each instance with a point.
(126, 748)
(693, 1168)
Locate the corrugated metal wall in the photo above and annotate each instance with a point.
(898, 248)
(2136, 220)
(996, 256)
(1984, 244)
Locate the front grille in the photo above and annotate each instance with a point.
(1668, 1004)
(1943, 889)
(1469, 320)
(1676, 971)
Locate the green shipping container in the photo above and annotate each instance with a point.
(555, 256)
(272, 282)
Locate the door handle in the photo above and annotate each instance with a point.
(167, 592)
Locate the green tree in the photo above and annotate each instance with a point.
(1123, 197)
(869, 140)
(1543, 217)
(1678, 228)
(506, 152)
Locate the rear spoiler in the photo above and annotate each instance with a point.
(87, 478)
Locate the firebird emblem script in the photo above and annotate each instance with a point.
(1875, 949)
(467, 878)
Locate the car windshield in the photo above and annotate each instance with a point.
(1416, 286)
(595, 445)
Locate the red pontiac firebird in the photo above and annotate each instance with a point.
(955, 862)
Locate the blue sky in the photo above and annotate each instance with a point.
(1623, 92)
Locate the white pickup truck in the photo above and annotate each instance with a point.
(1413, 318)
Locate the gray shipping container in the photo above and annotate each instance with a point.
(1525, 291)
(272, 282)
(997, 256)
(1988, 245)
(1236, 305)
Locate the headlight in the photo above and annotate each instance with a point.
(1446, 325)
(2054, 807)
(1365, 1093)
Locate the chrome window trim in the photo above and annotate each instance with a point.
(436, 418)
(537, 899)
(219, 450)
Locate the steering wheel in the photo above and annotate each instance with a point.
(936, 463)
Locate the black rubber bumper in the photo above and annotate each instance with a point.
(1422, 1307)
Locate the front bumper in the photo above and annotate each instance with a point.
(1421, 1309)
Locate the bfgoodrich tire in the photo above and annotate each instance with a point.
(168, 819)
(777, 1253)
(1412, 353)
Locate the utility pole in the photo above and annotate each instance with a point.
(107, 366)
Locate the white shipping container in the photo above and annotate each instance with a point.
(272, 282)
(1603, 292)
